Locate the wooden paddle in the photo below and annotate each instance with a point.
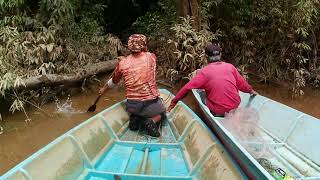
(94, 106)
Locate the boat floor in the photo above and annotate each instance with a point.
(167, 135)
(136, 155)
(128, 155)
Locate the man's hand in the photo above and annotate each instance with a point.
(172, 105)
(102, 90)
(253, 93)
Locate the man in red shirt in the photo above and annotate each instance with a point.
(143, 98)
(221, 82)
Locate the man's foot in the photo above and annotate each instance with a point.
(152, 128)
(134, 123)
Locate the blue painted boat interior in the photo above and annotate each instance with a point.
(289, 136)
(104, 148)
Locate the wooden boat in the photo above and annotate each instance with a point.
(103, 148)
(289, 135)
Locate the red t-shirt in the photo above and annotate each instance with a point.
(221, 82)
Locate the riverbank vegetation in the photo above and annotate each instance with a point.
(49, 37)
(267, 40)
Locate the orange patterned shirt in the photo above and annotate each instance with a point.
(139, 73)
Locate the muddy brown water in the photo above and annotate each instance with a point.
(20, 139)
(309, 103)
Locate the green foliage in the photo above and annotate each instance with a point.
(150, 24)
(57, 37)
(10, 4)
(55, 12)
(157, 23)
(275, 37)
(186, 49)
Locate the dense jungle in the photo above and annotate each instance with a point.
(51, 49)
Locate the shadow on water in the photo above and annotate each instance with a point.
(20, 138)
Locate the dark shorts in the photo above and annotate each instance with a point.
(146, 109)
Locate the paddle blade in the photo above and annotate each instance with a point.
(250, 100)
(92, 108)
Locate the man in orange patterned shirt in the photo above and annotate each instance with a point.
(143, 97)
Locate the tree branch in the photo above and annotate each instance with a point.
(56, 79)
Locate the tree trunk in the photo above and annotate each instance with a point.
(56, 79)
(190, 8)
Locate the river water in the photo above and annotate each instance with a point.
(19, 138)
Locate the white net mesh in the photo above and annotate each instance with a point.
(243, 123)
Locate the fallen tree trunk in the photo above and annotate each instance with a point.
(55, 79)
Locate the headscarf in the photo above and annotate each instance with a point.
(137, 43)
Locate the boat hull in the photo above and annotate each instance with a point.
(246, 164)
(286, 137)
(104, 148)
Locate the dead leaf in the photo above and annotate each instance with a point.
(50, 47)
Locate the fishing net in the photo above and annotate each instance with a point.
(243, 124)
